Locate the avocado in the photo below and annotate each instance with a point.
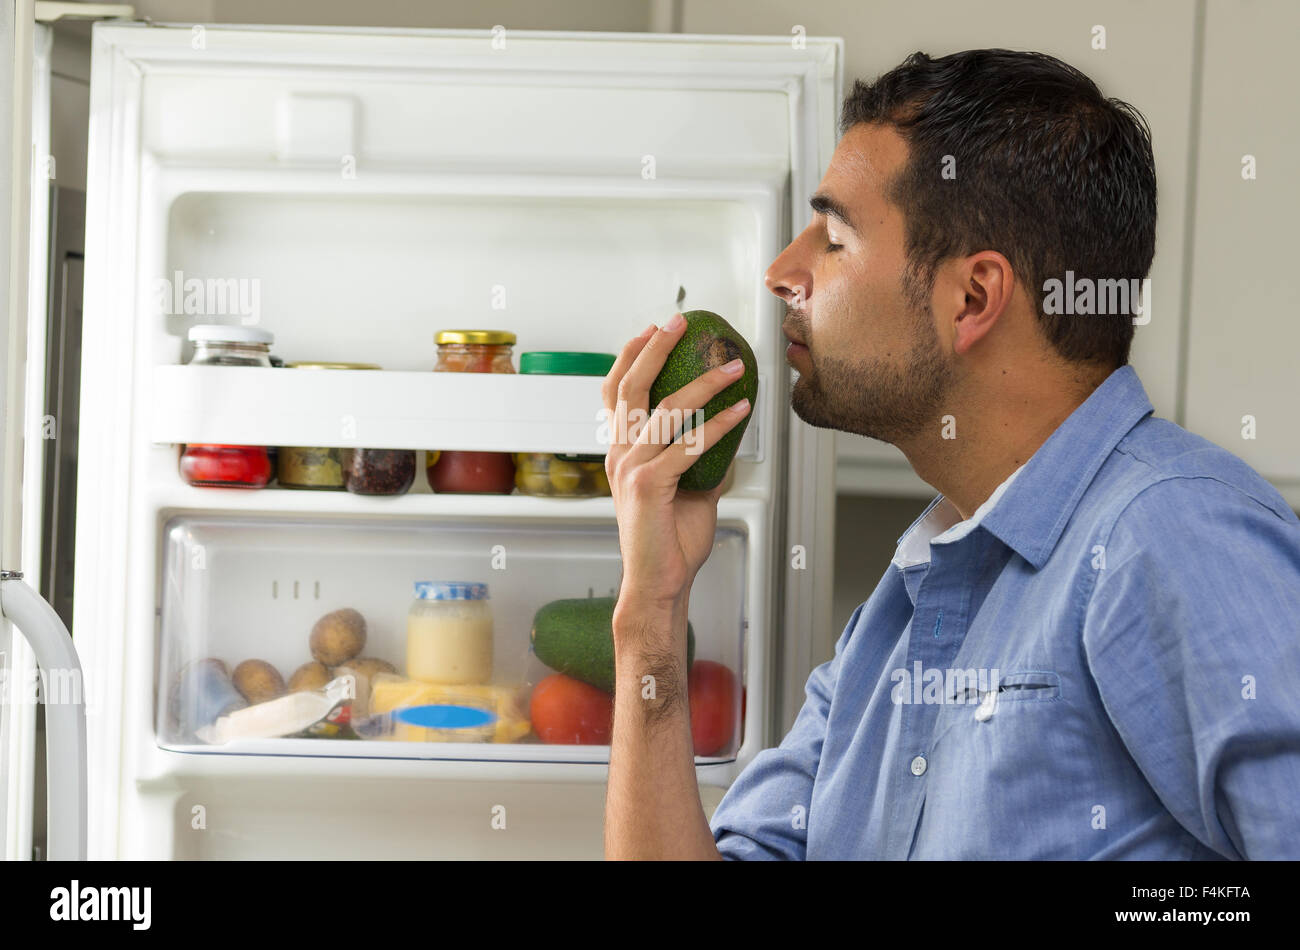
(709, 342)
(576, 637)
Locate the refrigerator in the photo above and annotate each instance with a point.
(354, 192)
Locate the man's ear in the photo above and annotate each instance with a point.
(986, 283)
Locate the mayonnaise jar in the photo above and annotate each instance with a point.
(449, 633)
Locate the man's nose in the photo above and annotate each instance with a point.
(789, 280)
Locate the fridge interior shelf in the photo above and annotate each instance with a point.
(261, 618)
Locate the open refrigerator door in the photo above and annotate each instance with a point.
(395, 642)
(39, 666)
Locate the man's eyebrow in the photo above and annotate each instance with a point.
(823, 203)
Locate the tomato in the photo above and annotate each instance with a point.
(473, 472)
(712, 690)
(568, 711)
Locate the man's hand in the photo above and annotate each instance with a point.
(665, 536)
(652, 806)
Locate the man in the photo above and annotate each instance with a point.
(1088, 646)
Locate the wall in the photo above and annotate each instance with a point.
(592, 15)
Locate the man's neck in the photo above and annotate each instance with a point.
(999, 427)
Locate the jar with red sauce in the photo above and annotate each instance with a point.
(472, 351)
(228, 466)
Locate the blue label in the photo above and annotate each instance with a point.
(445, 717)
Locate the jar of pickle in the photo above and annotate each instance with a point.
(472, 351)
(573, 476)
(228, 466)
(313, 467)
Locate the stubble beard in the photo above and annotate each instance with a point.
(876, 398)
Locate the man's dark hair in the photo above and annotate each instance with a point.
(1048, 172)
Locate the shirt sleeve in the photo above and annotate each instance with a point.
(764, 815)
(1192, 636)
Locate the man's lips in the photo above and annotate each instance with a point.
(796, 348)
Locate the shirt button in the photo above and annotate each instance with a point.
(918, 765)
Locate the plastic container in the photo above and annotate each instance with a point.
(449, 633)
(472, 351)
(571, 476)
(201, 693)
(314, 468)
(228, 466)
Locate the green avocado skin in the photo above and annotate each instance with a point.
(576, 637)
(708, 342)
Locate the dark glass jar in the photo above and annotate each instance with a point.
(228, 466)
(378, 471)
(472, 351)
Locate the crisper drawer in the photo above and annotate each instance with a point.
(438, 639)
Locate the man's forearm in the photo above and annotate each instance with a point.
(652, 805)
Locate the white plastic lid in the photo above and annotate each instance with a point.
(226, 333)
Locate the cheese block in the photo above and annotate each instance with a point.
(389, 693)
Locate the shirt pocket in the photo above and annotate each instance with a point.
(1020, 686)
(1007, 768)
(1029, 686)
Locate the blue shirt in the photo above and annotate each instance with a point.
(1106, 664)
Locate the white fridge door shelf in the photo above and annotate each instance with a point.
(233, 405)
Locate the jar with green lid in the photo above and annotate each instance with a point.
(569, 476)
(308, 467)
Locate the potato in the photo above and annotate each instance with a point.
(309, 676)
(338, 637)
(258, 681)
(367, 666)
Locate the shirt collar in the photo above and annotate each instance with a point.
(1031, 514)
(941, 523)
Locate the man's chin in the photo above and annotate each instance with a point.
(810, 405)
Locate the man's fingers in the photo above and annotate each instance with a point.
(670, 416)
(634, 388)
(630, 351)
(616, 412)
(684, 452)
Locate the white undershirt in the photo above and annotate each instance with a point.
(943, 525)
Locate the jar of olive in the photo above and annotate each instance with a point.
(572, 476)
(313, 467)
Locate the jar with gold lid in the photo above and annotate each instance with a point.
(472, 351)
